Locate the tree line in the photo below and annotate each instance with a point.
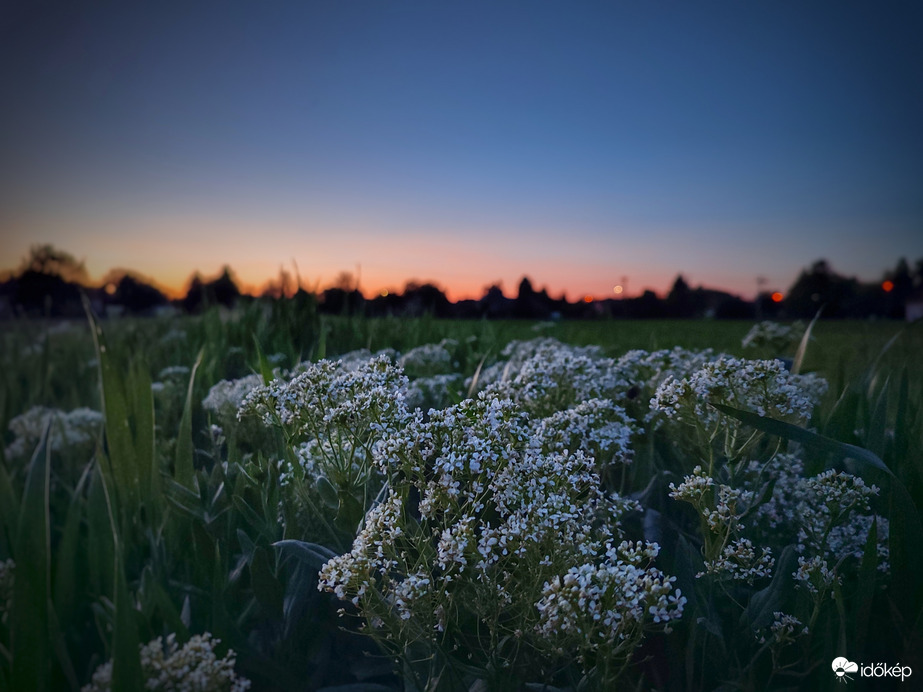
(49, 283)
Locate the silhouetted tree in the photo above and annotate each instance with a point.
(425, 299)
(820, 285)
(220, 291)
(48, 283)
(50, 261)
(680, 301)
(136, 295)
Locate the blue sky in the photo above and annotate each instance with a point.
(466, 142)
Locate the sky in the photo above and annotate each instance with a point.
(583, 144)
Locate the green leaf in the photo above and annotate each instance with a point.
(67, 574)
(811, 440)
(184, 471)
(766, 601)
(312, 554)
(265, 365)
(158, 596)
(865, 588)
(29, 636)
(266, 588)
(119, 466)
(142, 397)
(8, 505)
(876, 433)
(126, 656)
(327, 492)
(59, 645)
(803, 345)
(100, 548)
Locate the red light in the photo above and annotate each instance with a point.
(777, 297)
(887, 286)
(587, 299)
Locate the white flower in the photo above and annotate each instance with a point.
(79, 428)
(740, 561)
(167, 667)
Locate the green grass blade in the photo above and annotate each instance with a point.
(100, 548)
(8, 505)
(803, 345)
(67, 575)
(31, 588)
(123, 484)
(264, 364)
(865, 588)
(126, 657)
(185, 467)
(876, 432)
(142, 398)
(811, 440)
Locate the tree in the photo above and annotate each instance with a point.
(50, 261)
(134, 293)
(818, 286)
(680, 302)
(48, 283)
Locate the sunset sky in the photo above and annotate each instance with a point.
(465, 142)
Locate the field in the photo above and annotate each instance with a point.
(540, 523)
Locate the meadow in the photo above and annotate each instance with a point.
(272, 499)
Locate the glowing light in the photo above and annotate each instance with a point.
(587, 299)
(384, 294)
(887, 286)
(617, 290)
(110, 289)
(777, 297)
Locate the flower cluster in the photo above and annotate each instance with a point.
(645, 371)
(815, 575)
(348, 409)
(784, 630)
(174, 372)
(168, 667)
(740, 561)
(476, 499)
(554, 378)
(429, 359)
(834, 519)
(773, 336)
(516, 353)
(720, 506)
(597, 427)
(435, 391)
(763, 387)
(604, 608)
(73, 430)
(224, 399)
(353, 360)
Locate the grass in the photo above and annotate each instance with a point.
(163, 530)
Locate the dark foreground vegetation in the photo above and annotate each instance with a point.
(149, 509)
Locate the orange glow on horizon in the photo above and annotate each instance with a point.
(458, 271)
(587, 299)
(777, 297)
